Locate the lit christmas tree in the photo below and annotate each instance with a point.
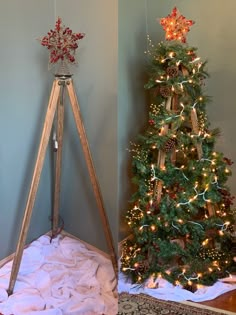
(181, 217)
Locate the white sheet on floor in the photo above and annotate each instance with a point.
(166, 291)
(61, 277)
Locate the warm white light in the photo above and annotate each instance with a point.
(153, 227)
(205, 242)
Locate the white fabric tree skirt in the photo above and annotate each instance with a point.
(57, 278)
(166, 291)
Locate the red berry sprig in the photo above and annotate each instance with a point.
(61, 42)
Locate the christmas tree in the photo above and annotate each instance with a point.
(181, 216)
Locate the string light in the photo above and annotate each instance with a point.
(135, 252)
(174, 226)
(154, 177)
(224, 226)
(127, 268)
(189, 278)
(230, 276)
(196, 224)
(194, 60)
(176, 116)
(195, 197)
(199, 66)
(211, 161)
(182, 167)
(141, 227)
(204, 243)
(178, 63)
(153, 227)
(194, 105)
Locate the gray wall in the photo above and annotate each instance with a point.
(131, 96)
(96, 86)
(213, 35)
(25, 86)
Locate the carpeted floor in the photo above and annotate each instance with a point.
(140, 304)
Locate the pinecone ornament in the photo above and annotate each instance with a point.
(172, 71)
(165, 91)
(169, 145)
(142, 266)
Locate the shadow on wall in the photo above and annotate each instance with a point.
(222, 113)
(138, 102)
(39, 214)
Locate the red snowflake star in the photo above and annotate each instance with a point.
(176, 26)
(61, 42)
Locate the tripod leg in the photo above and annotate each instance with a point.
(91, 170)
(34, 184)
(60, 128)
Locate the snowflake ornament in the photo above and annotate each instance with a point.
(176, 26)
(62, 43)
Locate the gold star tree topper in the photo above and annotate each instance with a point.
(176, 26)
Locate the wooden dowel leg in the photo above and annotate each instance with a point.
(159, 184)
(91, 170)
(162, 156)
(194, 121)
(34, 184)
(57, 187)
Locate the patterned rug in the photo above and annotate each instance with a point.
(140, 304)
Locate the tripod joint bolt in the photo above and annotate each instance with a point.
(64, 82)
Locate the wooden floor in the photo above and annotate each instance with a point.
(226, 302)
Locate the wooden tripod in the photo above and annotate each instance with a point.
(56, 103)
